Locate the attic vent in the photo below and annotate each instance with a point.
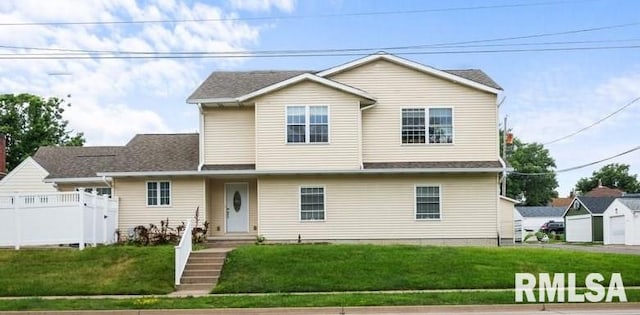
(576, 205)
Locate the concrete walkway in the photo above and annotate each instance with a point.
(524, 309)
(614, 249)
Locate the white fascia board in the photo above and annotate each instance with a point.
(204, 101)
(77, 180)
(410, 64)
(309, 172)
(510, 199)
(310, 77)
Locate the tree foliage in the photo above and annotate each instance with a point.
(30, 121)
(534, 190)
(613, 176)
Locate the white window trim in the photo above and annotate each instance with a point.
(426, 125)
(324, 190)
(307, 124)
(146, 193)
(415, 201)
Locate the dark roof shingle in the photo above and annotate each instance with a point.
(475, 75)
(235, 84)
(529, 212)
(596, 205)
(443, 164)
(74, 162)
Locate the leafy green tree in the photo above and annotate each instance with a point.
(527, 158)
(613, 176)
(30, 121)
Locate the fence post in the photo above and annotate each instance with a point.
(16, 221)
(105, 219)
(94, 209)
(81, 212)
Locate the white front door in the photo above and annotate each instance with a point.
(237, 207)
(616, 230)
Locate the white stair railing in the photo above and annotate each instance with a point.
(183, 250)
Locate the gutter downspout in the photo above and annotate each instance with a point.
(200, 138)
(504, 178)
(104, 179)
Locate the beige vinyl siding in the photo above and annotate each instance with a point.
(28, 176)
(380, 207)
(216, 205)
(506, 218)
(395, 87)
(274, 153)
(229, 135)
(72, 187)
(186, 195)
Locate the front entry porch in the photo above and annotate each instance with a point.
(232, 208)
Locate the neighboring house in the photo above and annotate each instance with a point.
(508, 230)
(621, 221)
(604, 191)
(380, 148)
(532, 217)
(54, 169)
(583, 218)
(562, 202)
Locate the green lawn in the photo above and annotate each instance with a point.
(322, 268)
(100, 270)
(278, 300)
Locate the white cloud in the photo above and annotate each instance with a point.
(115, 98)
(263, 5)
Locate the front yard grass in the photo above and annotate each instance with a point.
(324, 268)
(276, 300)
(100, 270)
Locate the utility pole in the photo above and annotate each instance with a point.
(504, 157)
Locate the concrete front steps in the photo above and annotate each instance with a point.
(203, 270)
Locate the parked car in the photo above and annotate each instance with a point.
(553, 226)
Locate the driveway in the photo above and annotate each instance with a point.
(615, 249)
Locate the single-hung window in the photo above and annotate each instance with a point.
(440, 125)
(427, 202)
(413, 125)
(311, 203)
(307, 124)
(159, 193)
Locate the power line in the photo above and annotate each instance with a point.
(293, 17)
(249, 55)
(579, 166)
(595, 123)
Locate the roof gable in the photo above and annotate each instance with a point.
(28, 161)
(472, 78)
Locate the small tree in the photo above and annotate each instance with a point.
(613, 176)
(30, 121)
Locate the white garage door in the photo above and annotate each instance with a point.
(616, 230)
(578, 229)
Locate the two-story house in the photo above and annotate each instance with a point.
(377, 149)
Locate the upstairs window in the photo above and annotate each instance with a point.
(159, 193)
(307, 124)
(415, 125)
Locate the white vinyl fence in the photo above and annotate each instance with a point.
(57, 218)
(183, 250)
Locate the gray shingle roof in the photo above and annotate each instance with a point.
(72, 162)
(236, 84)
(444, 164)
(145, 152)
(632, 203)
(596, 205)
(159, 152)
(530, 212)
(475, 75)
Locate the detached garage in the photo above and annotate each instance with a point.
(621, 222)
(583, 219)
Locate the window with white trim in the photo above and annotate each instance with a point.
(307, 124)
(312, 204)
(159, 193)
(415, 125)
(428, 202)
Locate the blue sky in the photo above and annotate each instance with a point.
(548, 93)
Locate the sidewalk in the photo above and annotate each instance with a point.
(524, 309)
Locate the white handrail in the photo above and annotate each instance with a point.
(183, 250)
